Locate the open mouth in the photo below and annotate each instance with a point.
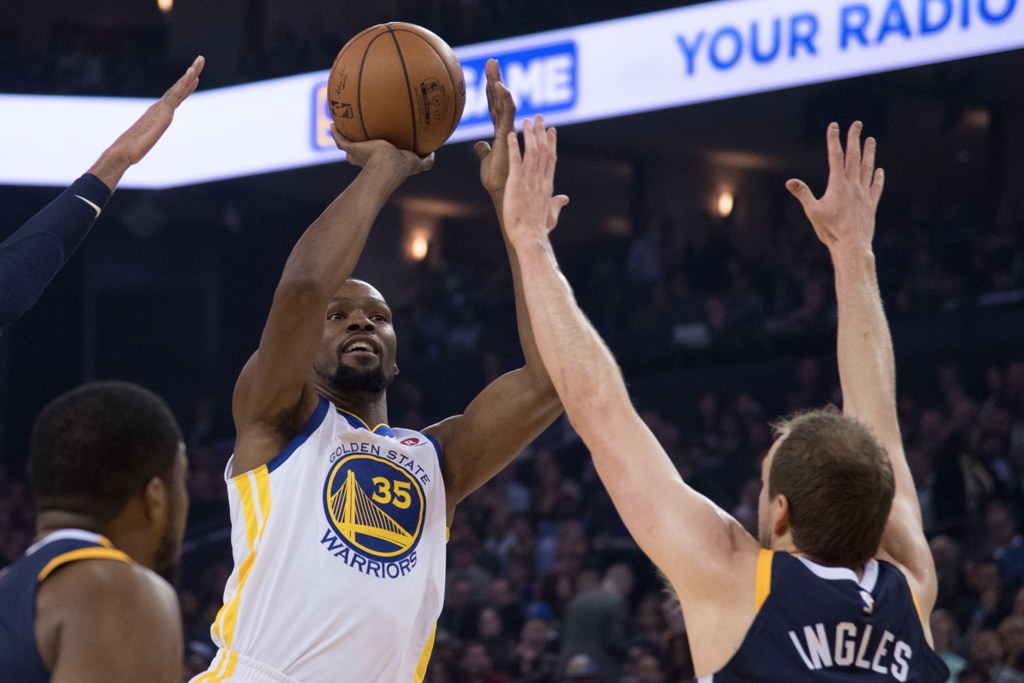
(360, 346)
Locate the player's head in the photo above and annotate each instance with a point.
(828, 483)
(357, 353)
(111, 454)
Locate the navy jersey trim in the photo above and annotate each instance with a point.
(437, 447)
(311, 426)
(357, 423)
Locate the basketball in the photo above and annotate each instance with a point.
(397, 82)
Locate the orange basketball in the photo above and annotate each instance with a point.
(397, 82)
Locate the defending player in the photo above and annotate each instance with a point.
(88, 602)
(33, 255)
(840, 585)
(338, 520)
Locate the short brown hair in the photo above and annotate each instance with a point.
(839, 483)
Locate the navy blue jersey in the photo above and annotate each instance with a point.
(19, 656)
(823, 625)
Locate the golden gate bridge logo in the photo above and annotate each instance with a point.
(374, 506)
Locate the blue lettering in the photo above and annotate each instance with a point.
(716, 59)
(927, 24)
(995, 18)
(776, 41)
(373, 567)
(689, 52)
(802, 29)
(392, 570)
(895, 21)
(357, 562)
(854, 19)
(965, 14)
(331, 541)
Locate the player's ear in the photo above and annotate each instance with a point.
(780, 515)
(155, 498)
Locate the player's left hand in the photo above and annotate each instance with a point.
(494, 158)
(844, 217)
(136, 142)
(530, 209)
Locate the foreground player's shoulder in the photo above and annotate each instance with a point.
(114, 619)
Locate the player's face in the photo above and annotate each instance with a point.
(359, 345)
(765, 521)
(169, 548)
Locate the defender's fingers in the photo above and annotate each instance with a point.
(515, 159)
(867, 164)
(552, 153)
(482, 149)
(835, 150)
(799, 189)
(877, 184)
(529, 142)
(853, 147)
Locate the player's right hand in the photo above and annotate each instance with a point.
(362, 153)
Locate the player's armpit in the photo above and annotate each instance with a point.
(497, 425)
(105, 621)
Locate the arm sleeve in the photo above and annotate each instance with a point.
(33, 255)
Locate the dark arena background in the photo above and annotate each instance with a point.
(681, 243)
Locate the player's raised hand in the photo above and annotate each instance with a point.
(845, 214)
(494, 157)
(401, 161)
(529, 207)
(135, 143)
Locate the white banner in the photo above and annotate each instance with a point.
(653, 61)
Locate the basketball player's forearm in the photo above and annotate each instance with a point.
(578, 362)
(867, 371)
(523, 322)
(328, 251)
(32, 256)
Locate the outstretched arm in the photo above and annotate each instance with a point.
(274, 395)
(32, 256)
(844, 220)
(690, 538)
(519, 405)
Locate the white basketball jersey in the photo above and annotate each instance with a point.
(339, 549)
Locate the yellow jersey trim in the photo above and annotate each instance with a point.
(428, 649)
(255, 523)
(362, 421)
(92, 553)
(763, 582)
(224, 669)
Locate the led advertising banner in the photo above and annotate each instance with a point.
(653, 61)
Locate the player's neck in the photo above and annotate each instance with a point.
(55, 520)
(370, 408)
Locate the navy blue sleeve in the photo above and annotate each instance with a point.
(33, 255)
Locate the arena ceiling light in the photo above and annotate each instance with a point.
(654, 61)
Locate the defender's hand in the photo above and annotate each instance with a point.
(135, 143)
(530, 209)
(844, 217)
(494, 157)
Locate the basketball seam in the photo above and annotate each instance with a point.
(408, 85)
(359, 85)
(444, 63)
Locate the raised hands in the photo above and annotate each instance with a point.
(530, 209)
(494, 158)
(845, 214)
(135, 143)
